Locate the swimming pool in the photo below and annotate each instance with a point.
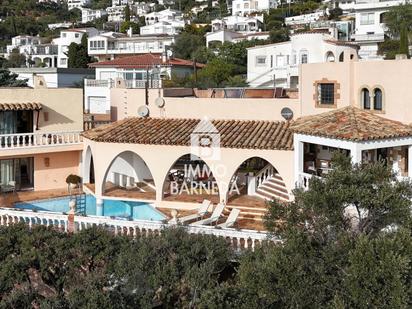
(111, 208)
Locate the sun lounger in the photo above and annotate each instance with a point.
(213, 218)
(231, 220)
(200, 213)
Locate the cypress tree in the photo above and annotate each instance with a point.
(404, 42)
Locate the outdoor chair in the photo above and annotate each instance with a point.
(231, 219)
(214, 217)
(201, 212)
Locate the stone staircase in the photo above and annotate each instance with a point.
(273, 188)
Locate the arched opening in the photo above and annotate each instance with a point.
(255, 182)
(330, 57)
(190, 180)
(88, 173)
(365, 97)
(129, 176)
(382, 18)
(377, 99)
(341, 57)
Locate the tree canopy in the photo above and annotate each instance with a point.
(9, 79)
(77, 54)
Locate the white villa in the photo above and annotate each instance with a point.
(67, 37)
(246, 7)
(132, 72)
(277, 65)
(89, 15)
(235, 29)
(370, 27)
(110, 45)
(37, 53)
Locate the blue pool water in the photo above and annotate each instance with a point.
(111, 208)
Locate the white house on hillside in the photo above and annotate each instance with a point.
(163, 27)
(278, 64)
(370, 27)
(245, 7)
(165, 15)
(89, 15)
(110, 45)
(67, 37)
(235, 29)
(36, 53)
(72, 4)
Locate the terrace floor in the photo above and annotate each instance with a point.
(8, 199)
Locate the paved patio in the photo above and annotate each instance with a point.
(8, 199)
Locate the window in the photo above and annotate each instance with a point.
(377, 99)
(366, 101)
(341, 57)
(246, 5)
(303, 57)
(260, 60)
(271, 61)
(63, 61)
(64, 35)
(330, 57)
(76, 35)
(367, 18)
(326, 93)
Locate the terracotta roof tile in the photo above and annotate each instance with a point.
(20, 106)
(143, 61)
(243, 134)
(351, 123)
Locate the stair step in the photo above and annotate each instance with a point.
(272, 191)
(275, 181)
(273, 186)
(269, 196)
(246, 208)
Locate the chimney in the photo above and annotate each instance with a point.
(130, 32)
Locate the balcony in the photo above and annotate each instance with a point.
(106, 83)
(24, 141)
(378, 37)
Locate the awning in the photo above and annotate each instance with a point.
(20, 106)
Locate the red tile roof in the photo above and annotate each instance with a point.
(351, 123)
(143, 61)
(242, 134)
(20, 106)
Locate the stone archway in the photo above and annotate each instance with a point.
(129, 176)
(190, 179)
(256, 181)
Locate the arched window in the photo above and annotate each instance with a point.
(377, 99)
(341, 57)
(366, 100)
(330, 57)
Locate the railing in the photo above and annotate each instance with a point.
(264, 174)
(107, 83)
(91, 124)
(304, 180)
(41, 139)
(369, 37)
(239, 239)
(137, 83)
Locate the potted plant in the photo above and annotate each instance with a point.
(73, 181)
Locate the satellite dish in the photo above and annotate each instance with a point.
(160, 102)
(143, 111)
(169, 53)
(286, 113)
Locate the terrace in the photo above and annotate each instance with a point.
(360, 134)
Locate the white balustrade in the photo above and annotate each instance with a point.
(239, 239)
(304, 179)
(39, 139)
(106, 83)
(265, 173)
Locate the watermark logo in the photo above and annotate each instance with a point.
(205, 141)
(196, 177)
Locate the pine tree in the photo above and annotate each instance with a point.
(404, 42)
(127, 13)
(8, 79)
(78, 55)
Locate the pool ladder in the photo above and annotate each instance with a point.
(81, 203)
